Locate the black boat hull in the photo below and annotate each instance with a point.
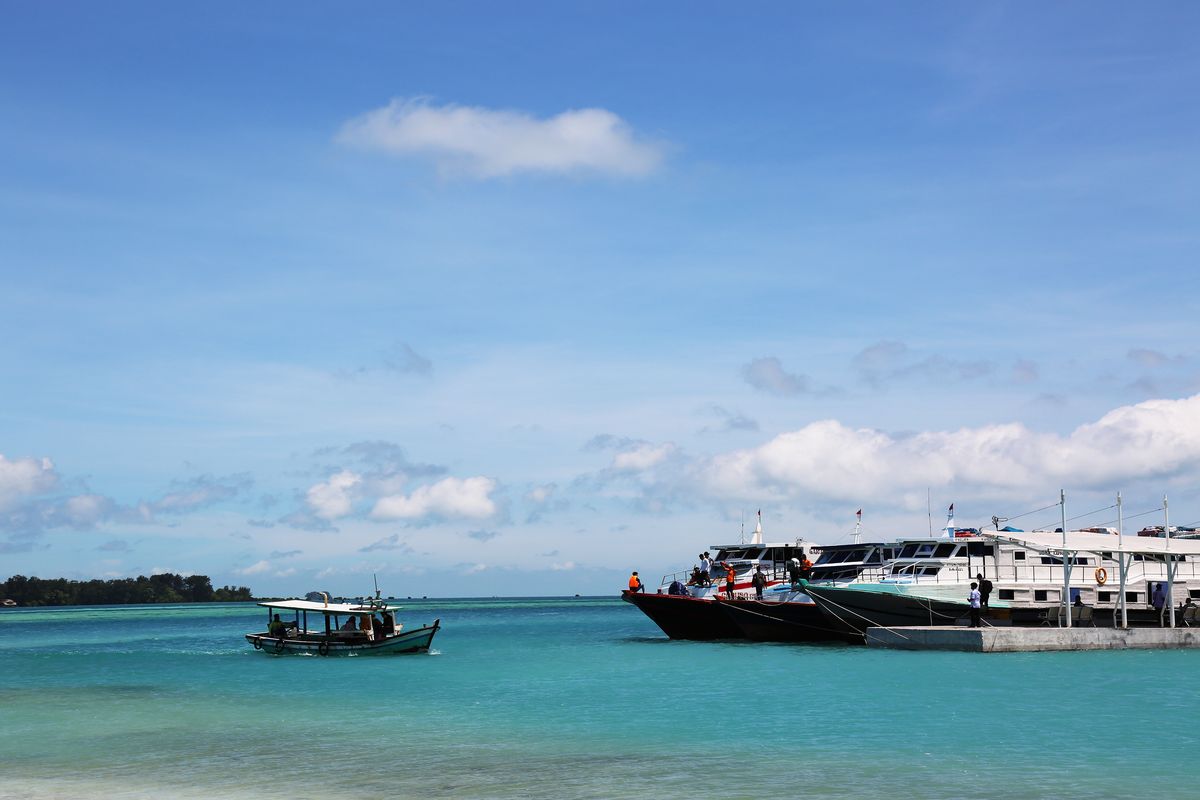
(784, 622)
(682, 617)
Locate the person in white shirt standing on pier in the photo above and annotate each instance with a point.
(973, 599)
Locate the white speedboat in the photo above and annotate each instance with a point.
(366, 627)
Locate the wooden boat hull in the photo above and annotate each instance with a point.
(417, 640)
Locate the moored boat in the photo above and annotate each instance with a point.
(367, 627)
(929, 581)
(786, 613)
(684, 606)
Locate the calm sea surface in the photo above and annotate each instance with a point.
(561, 698)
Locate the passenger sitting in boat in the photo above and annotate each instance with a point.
(350, 624)
(1078, 601)
(695, 579)
(381, 626)
(277, 628)
(805, 566)
(677, 588)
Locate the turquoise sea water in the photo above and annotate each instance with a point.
(558, 698)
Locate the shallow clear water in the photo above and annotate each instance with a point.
(570, 698)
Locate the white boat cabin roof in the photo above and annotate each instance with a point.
(324, 608)
(1079, 541)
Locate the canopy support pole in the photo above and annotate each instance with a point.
(1170, 565)
(1122, 564)
(1066, 598)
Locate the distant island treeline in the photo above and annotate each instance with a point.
(164, 588)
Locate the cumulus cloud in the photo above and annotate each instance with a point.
(334, 497)
(543, 500)
(541, 494)
(449, 498)
(642, 456)
(22, 478)
(1152, 440)
(768, 375)
(490, 143)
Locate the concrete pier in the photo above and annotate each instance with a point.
(1024, 640)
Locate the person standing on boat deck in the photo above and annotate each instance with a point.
(759, 582)
(705, 569)
(1159, 600)
(973, 599)
(794, 572)
(985, 590)
(805, 566)
(635, 584)
(730, 580)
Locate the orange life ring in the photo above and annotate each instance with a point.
(1101, 575)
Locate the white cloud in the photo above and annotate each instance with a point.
(489, 143)
(541, 494)
(450, 498)
(265, 566)
(643, 456)
(564, 566)
(1154, 439)
(25, 477)
(333, 498)
(86, 510)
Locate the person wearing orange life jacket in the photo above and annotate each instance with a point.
(805, 568)
(635, 584)
(730, 580)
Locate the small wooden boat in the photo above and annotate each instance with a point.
(368, 627)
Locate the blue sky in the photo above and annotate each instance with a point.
(511, 299)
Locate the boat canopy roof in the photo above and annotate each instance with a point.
(323, 608)
(1079, 541)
